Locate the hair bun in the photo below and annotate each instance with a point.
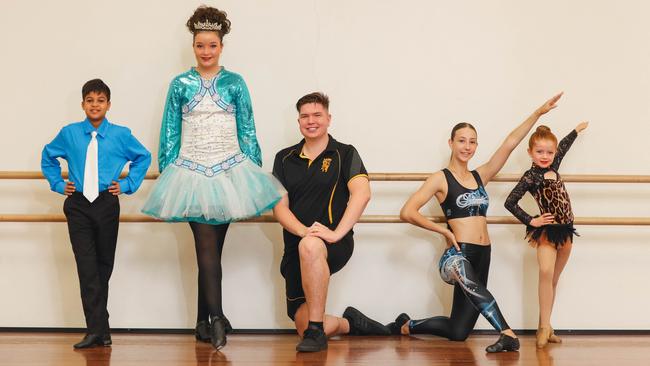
(543, 129)
(206, 14)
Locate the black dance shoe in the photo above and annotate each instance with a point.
(504, 344)
(202, 331)
(92, 340)
(362, 325)
(313, 340)
(218, 332)
(396, 326)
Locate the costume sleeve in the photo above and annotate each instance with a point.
(170, 131)
(50, 166)
(512, 202)
(352, 166)
(563, 147)
(278, 168)
(246, 124)
(140, 159)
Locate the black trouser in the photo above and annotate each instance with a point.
(93, 234)
(469, 276)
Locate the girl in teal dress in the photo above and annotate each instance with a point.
(210, 163)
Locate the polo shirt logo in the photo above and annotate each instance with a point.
(326, 165)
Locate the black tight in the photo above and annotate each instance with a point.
(209, 240)
(471, 297)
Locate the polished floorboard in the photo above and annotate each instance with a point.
(19, 349)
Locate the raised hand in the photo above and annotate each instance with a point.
(550, 104)
(581, 127)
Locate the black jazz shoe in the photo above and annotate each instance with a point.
(218, 332)
(504, 344)
(202, 331)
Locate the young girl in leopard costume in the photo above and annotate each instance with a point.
(552, 231)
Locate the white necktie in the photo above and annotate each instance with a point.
(91, 175)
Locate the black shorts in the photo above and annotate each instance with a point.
(338, 255)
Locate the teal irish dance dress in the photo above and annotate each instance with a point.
(209, 158)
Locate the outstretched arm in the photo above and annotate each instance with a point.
(488, 170)
(411, 210)
(565, 144)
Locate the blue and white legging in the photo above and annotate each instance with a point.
(467, 271)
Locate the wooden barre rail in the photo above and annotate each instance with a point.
(406, 177)
(368, 219)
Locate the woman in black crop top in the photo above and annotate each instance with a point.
(552, 231)
(466, 261)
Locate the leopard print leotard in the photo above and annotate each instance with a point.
(551, 197)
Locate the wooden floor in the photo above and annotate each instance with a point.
(18, 349)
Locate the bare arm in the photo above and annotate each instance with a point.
(411, 210)
(287, 219)
(488, 170)
(359, 188)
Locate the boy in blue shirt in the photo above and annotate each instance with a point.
(96, 151)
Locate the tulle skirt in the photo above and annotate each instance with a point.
(185, 192)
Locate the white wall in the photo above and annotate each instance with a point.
(399, 75)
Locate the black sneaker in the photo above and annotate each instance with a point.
(396, 326)
(504, 344)
(313, 340)
(362, 325)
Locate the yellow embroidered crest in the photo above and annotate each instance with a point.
(326, 165)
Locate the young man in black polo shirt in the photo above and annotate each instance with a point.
(328, 190)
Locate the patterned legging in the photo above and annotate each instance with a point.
(468, 272)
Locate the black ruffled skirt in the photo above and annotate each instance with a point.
(556, 234)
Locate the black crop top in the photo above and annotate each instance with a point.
(463, 202)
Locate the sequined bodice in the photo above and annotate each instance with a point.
(209, 131)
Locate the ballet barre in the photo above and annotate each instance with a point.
(366, 219)
(405, 177)
(371, 219)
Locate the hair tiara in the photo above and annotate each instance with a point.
(207, 25)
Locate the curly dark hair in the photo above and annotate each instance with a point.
(213, 15)
(315, 97)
